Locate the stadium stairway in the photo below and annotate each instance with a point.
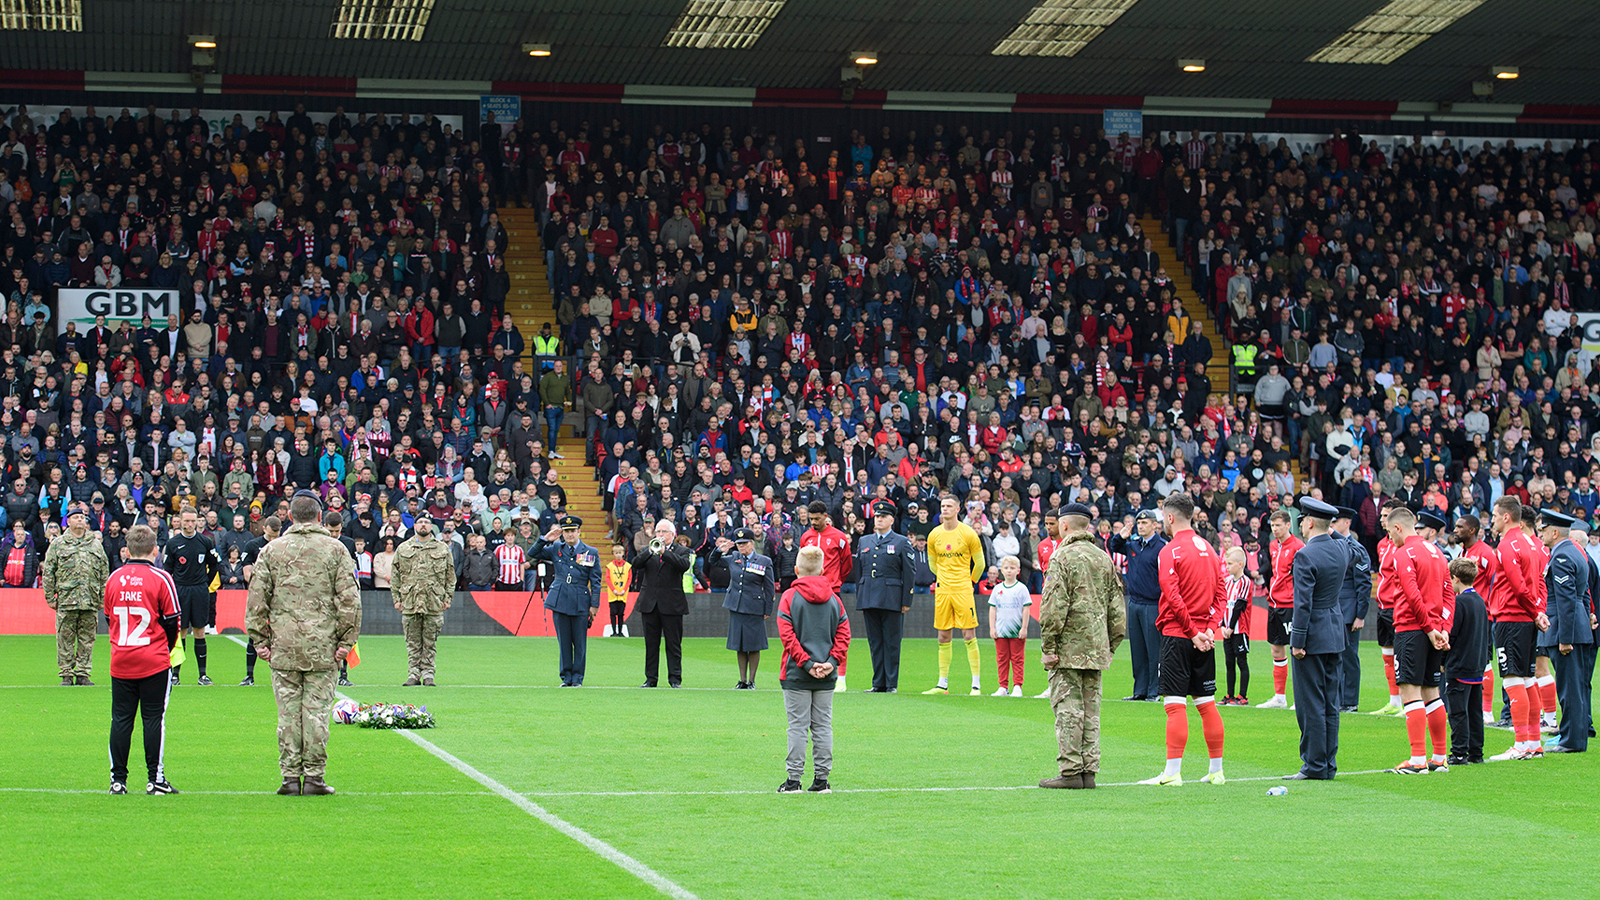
(1183, 288)
(531, 304)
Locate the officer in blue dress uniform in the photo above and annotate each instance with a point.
(1570, 638)
(574, 594)
(750, 602)
(886, 571)
(1354, 596)
(1317, 638)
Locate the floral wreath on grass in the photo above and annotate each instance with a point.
(382, 715)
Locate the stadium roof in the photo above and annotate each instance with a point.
(1435, 49)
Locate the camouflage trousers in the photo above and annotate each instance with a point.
(1075, 698)
(422, 632)
(305, 702)
(75, 641)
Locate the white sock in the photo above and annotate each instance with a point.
(1216, 764)
(1174, 766)
(977, 682)
(944, 682)
(1419, 761)
(1394, 700)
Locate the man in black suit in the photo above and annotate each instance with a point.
(658, 577)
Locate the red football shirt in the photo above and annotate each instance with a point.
(1388, 588)
(1047, 549)
(1426, 600)
(1488, 564)
(138, 596)
(1520, 577)
(1280, 591)
(836, 561)
(1193, 587)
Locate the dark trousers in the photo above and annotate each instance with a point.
(1573, 673)
(656, 627)
(145, 698)
(884, 628)
(1464, 704)
(572, 636)
(1145, 644)
(1316, 687)
(1350, 662)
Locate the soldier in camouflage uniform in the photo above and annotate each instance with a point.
(304, 615)
(75, 573)
(423, 584)
(1081, 622)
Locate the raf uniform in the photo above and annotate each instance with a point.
(751, 597)
(1354, 597)
(1316, 628)
(573, 598)
(886, 571)
(1567, 587)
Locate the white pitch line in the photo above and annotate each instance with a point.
(342, 792)
(618, 858)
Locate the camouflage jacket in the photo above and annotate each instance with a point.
(1081, 615)
(75, 572)
(424, 578)
(304, 604)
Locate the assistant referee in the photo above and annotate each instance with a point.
(191, 560)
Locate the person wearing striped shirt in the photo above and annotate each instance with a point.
(511, 565)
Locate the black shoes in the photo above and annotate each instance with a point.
(68, 681)
(160, 787)
(345, 682)
(427, 681)
(118, 787)
(741, 686)
(648, 684)
(204, 681)
(820, 786)
(249, 681)
(290, 787)
(314, 786)
(83, 681)
(1298, 776)
(789, 786)
(411, 682)
(674, 684)
(1136, 698)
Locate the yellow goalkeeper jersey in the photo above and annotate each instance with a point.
(956, 558)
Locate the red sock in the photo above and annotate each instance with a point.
(1417, 728)
(1280, 676)
(1211, 724)
(1438, 727)
(1547, 699)
(1520, 710)
(1388, 672)
(1488, 691)
(1177, 729)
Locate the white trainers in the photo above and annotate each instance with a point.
(1165, 779)
(1214, 778)
(1489, 719)
(1548, 724)
(1042, 695)
(1277, 702)
(1514, 753)
(1016, 690)
(839, 685)
(555, 455)
(1000, 692)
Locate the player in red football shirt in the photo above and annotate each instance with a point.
(1467, 531)
(1386, 590)
(1280, 605)
(1513, 612)
(1542, 689)
(141, 606)
(1189, 617)
(836, 557)
(1421, 636)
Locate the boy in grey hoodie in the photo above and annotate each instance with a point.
(815, 632)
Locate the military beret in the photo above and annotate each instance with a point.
(1077, 509)
(1550, 518)
(1316, 509)
(744, 535)
(570, 521)
(1429, 520)
(1345, 512)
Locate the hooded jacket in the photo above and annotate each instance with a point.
(813, 628)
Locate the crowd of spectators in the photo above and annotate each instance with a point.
(747, 321)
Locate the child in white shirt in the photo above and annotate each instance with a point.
(1008, 623)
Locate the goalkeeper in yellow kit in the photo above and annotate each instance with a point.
(955, 554)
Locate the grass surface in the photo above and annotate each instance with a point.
(405, 823)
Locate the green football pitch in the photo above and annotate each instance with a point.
(610, 791)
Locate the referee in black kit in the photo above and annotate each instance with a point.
(192, 562)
